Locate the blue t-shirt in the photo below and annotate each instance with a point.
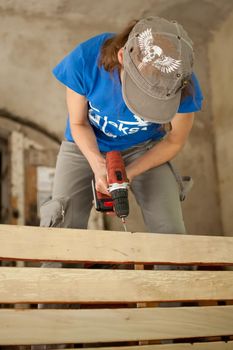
(115, 126)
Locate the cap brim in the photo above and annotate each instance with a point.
(148, 107)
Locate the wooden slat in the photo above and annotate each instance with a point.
(86, 326)
(53, 244)
(196, 346)
(34, 285)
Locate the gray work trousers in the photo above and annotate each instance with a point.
(157, 192)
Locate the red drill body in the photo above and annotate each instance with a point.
(118, 187)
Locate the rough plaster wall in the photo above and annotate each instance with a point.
(221, 63)
(35, 35)
(201, 209)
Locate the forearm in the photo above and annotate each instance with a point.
(159, 154)
(166, 149)
(81, 129)
(85, 138)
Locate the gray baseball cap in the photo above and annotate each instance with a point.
(157, 62)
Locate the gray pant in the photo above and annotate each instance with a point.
(157, 192)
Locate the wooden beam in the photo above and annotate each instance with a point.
(51, 326)
(44, 285)
(219, 345)
(56, 244)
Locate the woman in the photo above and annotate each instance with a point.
(122, 92)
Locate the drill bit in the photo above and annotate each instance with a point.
(124, 224)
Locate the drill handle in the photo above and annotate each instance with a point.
(102, 202)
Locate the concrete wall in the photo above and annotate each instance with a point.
(221, 63)
(35, 35)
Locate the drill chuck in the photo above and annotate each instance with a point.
(121, 204)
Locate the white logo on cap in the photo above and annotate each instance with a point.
(163, 63)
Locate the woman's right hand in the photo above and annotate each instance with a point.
(101, 183)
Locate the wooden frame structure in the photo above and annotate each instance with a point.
(119, 308)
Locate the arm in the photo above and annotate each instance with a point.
(84, 137)
(166, 149)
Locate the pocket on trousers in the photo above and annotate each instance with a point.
(185, 183)
(53, 212)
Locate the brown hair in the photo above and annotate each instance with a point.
(109, 59)
(109, 51)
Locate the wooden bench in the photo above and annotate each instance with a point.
(118, 308)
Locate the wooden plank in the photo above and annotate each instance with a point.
(196, 346)
(51, 326)
(35, 285)
(56, 244)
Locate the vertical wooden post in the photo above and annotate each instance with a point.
(31, 217)
(151, 304)
(141, 267)
(17, 178)
(17, 182)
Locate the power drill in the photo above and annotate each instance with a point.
(117, 185)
